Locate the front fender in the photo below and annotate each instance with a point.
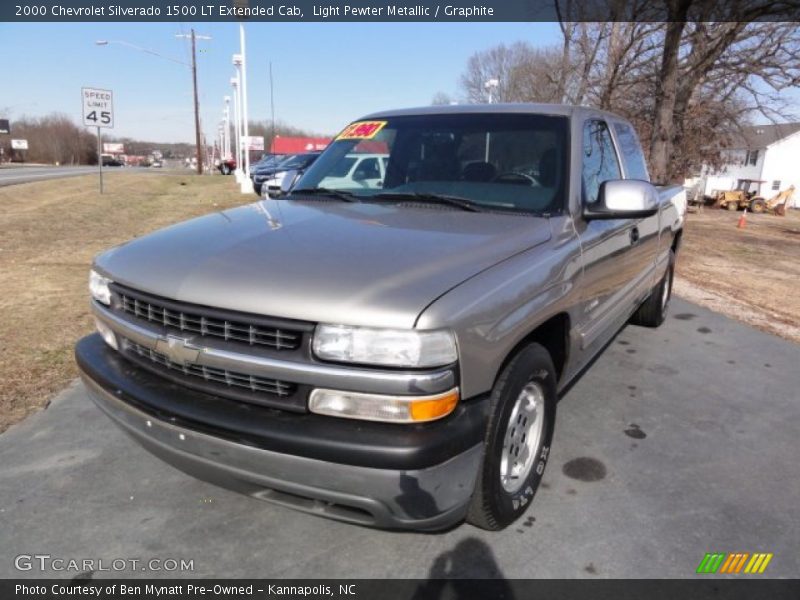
(493, 311)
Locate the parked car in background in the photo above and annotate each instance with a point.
(227, 166)
(267, 160)
(266, 165)
(390, 355)
(357, 171)
(273, 173)
(110, 161)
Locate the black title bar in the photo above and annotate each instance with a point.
(388, 11)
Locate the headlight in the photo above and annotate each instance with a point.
(386, 347)
(98, 286)
(377, 407)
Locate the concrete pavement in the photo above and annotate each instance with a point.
(679, 441)
(14, 175)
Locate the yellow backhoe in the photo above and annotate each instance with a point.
(744, 196)
(780, 201)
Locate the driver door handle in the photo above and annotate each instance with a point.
(634, 236)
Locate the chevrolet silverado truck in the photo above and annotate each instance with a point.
(390, 355)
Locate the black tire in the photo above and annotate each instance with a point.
(654, 310)
(493, 507)
(257, 188)
(758, 205)
(226, 170)
(732, 205)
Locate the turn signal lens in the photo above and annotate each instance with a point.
(105, 331)
(377, 407)
(429, 410)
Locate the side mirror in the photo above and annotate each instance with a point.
(288, 181)
(624, 199)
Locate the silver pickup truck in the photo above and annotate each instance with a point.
(389, 350)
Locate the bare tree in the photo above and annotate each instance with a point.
(441, 98)
(684, 71)
(525, 74)
(54, 138)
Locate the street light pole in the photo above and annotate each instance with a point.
(489, 85)
(227, 127)
(246, 183)
(237, 126)
(271, 105)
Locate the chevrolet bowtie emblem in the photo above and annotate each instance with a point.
(178, 350)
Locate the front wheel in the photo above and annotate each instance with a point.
(758, 205)
(518, 438)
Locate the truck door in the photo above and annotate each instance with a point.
(642, 255)
(608, 277)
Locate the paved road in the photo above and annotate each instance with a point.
(691, 431)
(14, 175)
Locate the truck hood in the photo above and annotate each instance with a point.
(323, 261)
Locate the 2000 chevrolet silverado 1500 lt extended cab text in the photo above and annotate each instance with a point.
(389, 352)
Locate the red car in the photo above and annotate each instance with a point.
(227, 166)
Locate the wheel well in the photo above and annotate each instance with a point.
(553, 334)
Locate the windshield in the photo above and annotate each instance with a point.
(297, 161)
(511, 162)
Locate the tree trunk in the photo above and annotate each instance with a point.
(666, 90)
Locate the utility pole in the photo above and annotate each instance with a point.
(196, 107)
(197, 135)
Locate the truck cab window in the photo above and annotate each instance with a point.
(600, 163)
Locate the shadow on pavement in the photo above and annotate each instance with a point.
(453, 574)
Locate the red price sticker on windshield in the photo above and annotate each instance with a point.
(361, 130)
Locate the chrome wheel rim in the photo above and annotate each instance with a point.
(665, 292)
(523, 436)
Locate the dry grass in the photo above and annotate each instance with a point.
(750, 274)
(51, 231)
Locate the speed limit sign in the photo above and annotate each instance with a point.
(98, 107)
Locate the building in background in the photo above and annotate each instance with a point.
(763, 153)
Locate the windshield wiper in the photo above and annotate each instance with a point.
(456, 201)
(339, 194)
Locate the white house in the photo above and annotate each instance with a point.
(770, 153)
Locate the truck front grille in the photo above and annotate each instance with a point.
(207, 322)
(219, 378)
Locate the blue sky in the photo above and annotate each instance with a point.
(326, 74)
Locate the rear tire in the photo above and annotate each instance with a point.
(518, 438)
(653, 311)
(257, 188)
(226, 170)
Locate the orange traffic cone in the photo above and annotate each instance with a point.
(742, 220)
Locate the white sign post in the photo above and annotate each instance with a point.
(98, 111)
